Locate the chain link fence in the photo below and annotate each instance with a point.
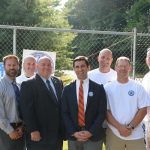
(69, 43)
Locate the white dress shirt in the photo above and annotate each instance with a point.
(85, 90)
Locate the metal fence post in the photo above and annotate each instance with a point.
(134, 51)
(14, 41)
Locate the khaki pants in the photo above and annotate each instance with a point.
(115, 143)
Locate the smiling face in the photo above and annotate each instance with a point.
(123, 68)
(29, 66)
(81, 69)
(44, 67)
(11, 67)
(105, 59)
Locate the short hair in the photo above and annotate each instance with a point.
(123, 58)
(44, 57)
(105, 49)
(28, 56)
(10, 57)
(81, 58)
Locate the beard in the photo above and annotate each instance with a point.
(11, 73)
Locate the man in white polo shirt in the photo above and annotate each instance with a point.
(103, 74)
(127, 104)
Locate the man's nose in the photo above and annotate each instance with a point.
(12, 67)
(80, 68)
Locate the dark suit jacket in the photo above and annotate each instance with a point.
(41, 111)
(95, 110)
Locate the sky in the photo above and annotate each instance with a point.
(62, 3)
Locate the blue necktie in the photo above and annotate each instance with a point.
(50, 88)
(17, 92)
(17, 97)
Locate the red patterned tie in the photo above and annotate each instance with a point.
(81, 115)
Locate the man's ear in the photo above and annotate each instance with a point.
(112, 60)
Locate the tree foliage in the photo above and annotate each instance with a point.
(37, 13)
(118, 15)
(94, 14)
(139, 15)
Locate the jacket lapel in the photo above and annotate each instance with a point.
(74, 95)
(74, 100)
(90, 94)
(43, 85)
(56, 86)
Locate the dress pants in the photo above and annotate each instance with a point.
(88, 145)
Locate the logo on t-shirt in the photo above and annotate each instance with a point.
(131, 92)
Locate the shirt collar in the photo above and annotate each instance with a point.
(45, 79)
(9, 80)
(84, 81)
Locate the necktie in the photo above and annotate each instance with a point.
(17, 93)
(50, 88)
(81, 115)
(17, 97)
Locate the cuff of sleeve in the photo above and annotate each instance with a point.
(9, 129)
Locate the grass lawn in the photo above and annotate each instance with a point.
(66, 148)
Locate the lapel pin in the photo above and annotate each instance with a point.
(90, 93)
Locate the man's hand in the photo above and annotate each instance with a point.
(125, 131)
(35, 136)
(77, 135)
(82, 135)
(14, 135)
(85, 135)
(20, 130)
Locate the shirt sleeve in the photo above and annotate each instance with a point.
(4, 122)
(143, 100)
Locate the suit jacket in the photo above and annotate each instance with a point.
(95, 110)
(41, 111)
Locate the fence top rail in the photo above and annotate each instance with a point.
(72, 30)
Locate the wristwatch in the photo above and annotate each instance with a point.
(130, 125)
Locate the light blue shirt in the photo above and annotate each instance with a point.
(8, 105)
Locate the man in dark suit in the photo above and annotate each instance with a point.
(40, 105)
(83, 118)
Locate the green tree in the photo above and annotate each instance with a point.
(138, 15)
(17, 12)
(36, 13)
(54, 41)
(96, 14)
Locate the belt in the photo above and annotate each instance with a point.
(16, 125)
